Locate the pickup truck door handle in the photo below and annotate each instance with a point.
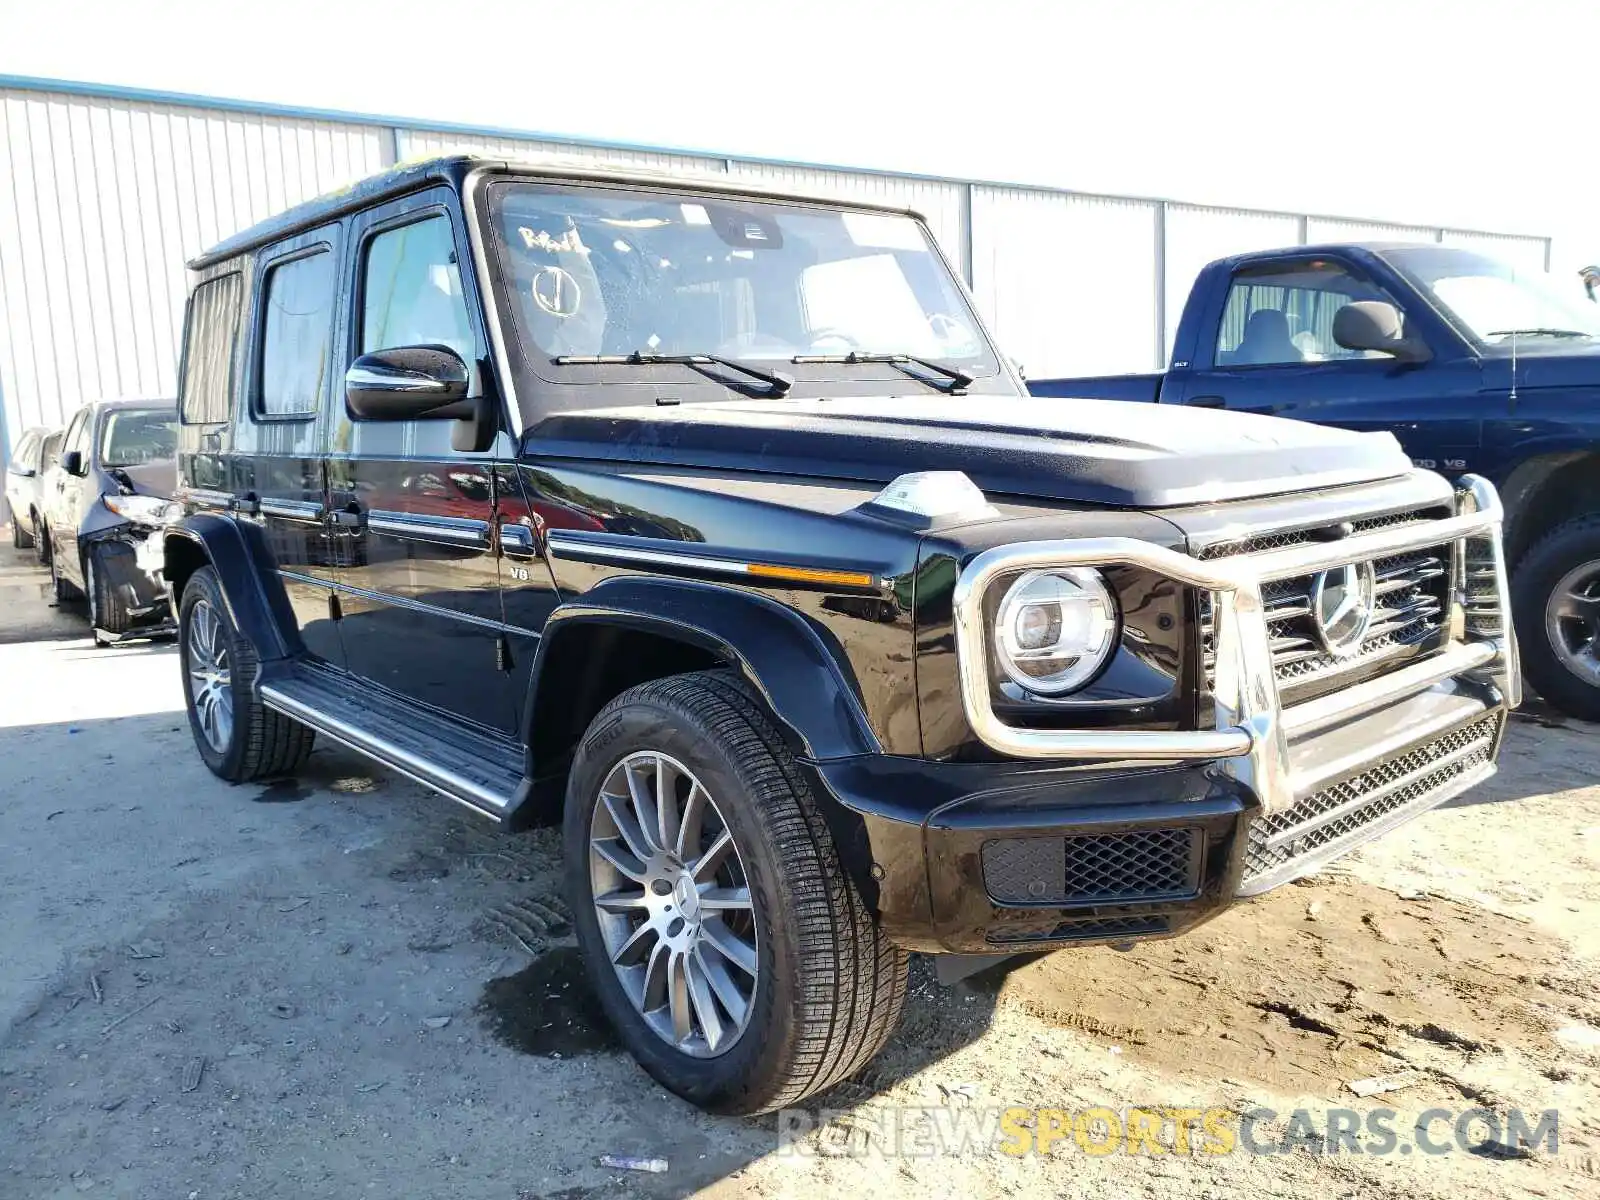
(1206, 402)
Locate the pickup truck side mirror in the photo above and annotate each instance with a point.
(1376, 325)
(72, 462)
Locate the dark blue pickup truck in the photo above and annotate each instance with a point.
(1473, 366)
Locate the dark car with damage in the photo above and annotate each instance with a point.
(708, 523)
(105, 499)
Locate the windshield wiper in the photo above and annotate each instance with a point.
(955, 380)
(778, 382)
(1562, 333)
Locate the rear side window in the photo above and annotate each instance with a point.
(27, 449)
(295, 336)
(1284, 314)
(208, 347)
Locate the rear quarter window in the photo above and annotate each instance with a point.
(210, 345)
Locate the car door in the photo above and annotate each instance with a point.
(276, 472)
(1274, 353)
(420, 582)
(66, 500)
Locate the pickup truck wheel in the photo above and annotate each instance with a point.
(41, 542)
(238, 737)
(1555, 599)
(724, 941)
(108, 607)
(21, 539)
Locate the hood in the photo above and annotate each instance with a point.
(1081, 451)
(156, 478)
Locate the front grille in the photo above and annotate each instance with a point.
(1342, 810)
(1259, 543)
(1083, 930)
(1412, 599)
(1147, 864)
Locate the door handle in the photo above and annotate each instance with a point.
(517, 539)
(1206, 402)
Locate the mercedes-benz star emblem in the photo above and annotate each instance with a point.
(1341, 607)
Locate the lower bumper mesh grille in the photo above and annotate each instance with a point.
(1148, 864)
(1342, 810)
(1093, 927)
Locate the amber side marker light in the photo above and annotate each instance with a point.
(858, 579)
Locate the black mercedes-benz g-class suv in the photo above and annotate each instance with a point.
(708, 522)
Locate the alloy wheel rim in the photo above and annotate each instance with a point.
(210, 678)
(1572, 621)
(673, 904)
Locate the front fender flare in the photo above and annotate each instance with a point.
(795, 666)
(248, 575)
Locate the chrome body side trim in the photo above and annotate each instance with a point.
(1252, 730)
(291, 510)
(454, 531)
(208, 498)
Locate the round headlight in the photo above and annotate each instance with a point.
(1055, 629)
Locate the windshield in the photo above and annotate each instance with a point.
(1492, 299)
(134, 436)
(602, 272)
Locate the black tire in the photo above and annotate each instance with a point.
(263, 744)
(1535, 578)
(108, 607)
(21, 539)
(830, 987)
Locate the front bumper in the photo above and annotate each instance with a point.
(1132, 834)
(133, 563)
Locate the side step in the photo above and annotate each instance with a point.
(470, 765)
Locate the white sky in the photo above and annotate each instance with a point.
(1467, 113)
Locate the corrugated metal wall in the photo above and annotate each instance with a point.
(103, 202)
(1068, 281)
(106, 192)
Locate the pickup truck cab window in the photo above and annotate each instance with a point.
(297, 329)
(1283, 313)
(591, 272)
(1491, 300)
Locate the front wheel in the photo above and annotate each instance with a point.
(21, 539)
(108, 604)
(724, 940)
(238, 737)
(1555, 597)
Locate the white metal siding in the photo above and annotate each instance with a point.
(102, 203)
(1525, 254)
(1068, 282)
(1195, 236)
(103, 198)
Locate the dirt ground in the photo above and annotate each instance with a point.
(343, 986)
